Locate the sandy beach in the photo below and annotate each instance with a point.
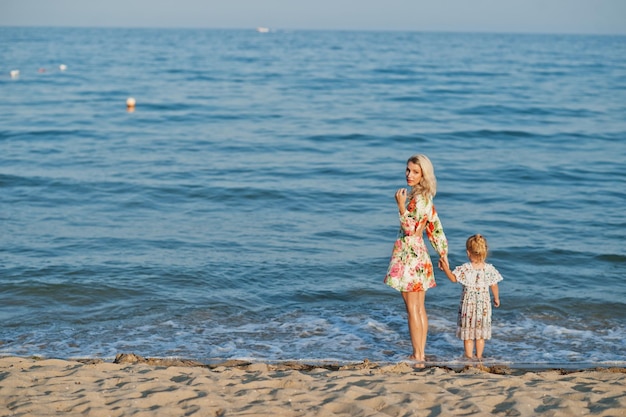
(135, 386)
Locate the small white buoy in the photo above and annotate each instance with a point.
(15, 73)
(62, 67)
(130, 104)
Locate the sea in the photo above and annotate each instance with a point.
(244, 207)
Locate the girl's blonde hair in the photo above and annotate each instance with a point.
(428, 184)
(477, 247)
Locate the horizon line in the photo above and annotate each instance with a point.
(313, 29)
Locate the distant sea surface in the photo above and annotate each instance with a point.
(245, 208)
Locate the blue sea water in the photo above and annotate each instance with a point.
(245, 208)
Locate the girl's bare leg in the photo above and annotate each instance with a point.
(480, 347)
(418, 322)
(469, 349)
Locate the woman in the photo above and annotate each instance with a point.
(410, 269)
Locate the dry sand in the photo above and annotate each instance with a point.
(134, 386)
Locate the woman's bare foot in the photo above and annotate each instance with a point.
(415, 362)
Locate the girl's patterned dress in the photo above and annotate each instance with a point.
(410, 268)
(474, 319)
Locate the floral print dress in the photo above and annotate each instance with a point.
(410, 268)
(474, 319)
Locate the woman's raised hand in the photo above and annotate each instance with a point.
(401, 199)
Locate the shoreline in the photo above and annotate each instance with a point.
(489, 366)
(132, 385)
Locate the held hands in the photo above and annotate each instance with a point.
(443, 264)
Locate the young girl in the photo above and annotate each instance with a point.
(410, 269)
(477, 277)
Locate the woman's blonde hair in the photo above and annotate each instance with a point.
(477, 247)
(428, 184)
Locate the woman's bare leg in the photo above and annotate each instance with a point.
(418, 322)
